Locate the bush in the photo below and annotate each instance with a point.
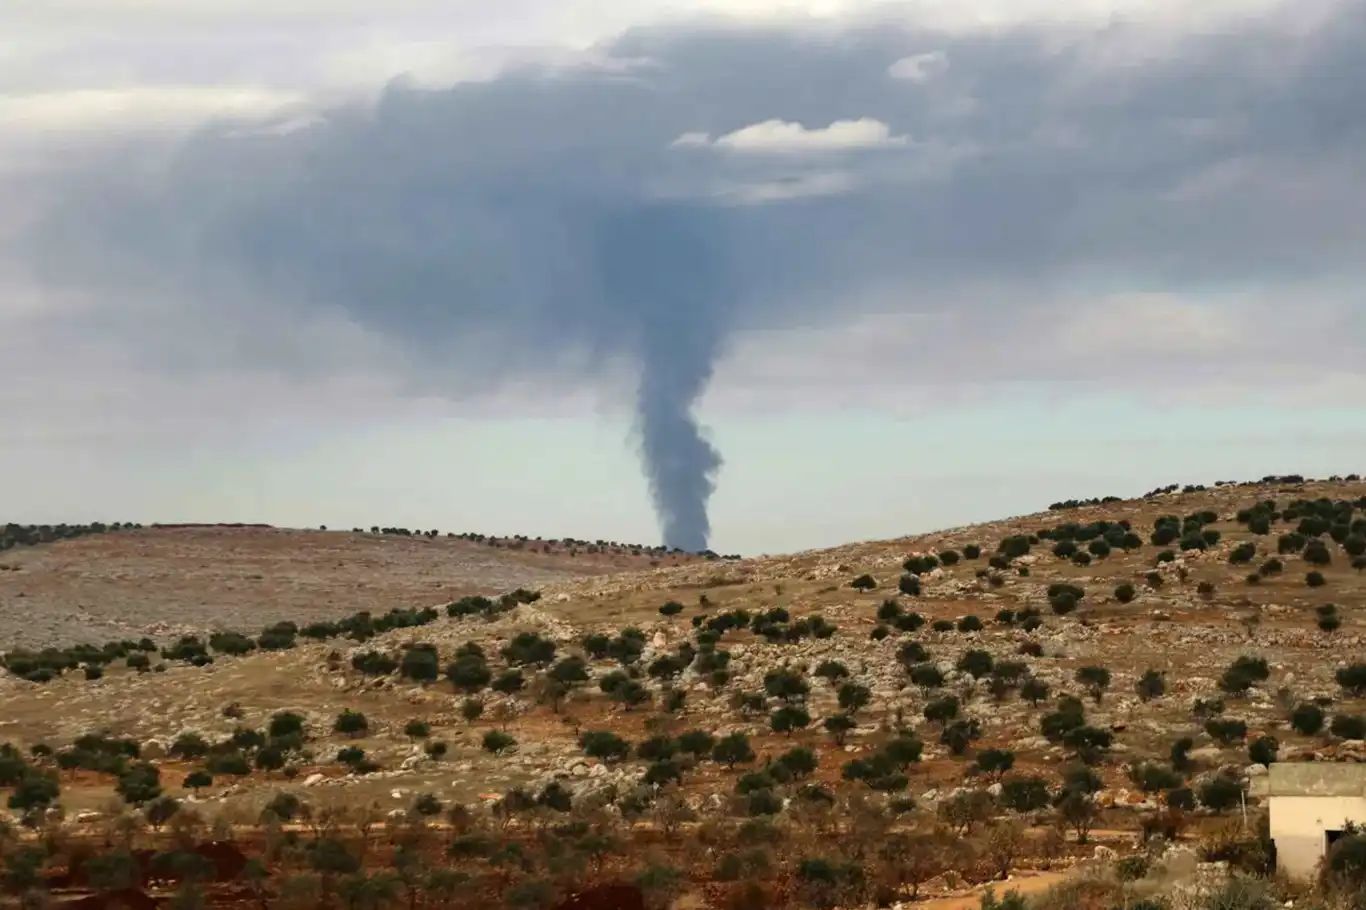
(732, 750)
(1316, 553)
(909, 585)
(1095, 680)
(1315, 579)
(1152, 684)
(1063, 603)
(528, 648)
(1348, 726)
(1290, 543)
(969, 624)
(1263, 750)
(197, 780)
(1226, 731)
(976, 663)
(1125, 593)
(1024, 794)
(498, 742)
(285, 723)
(1034, 690)
(1219, 794)
(864, 582)
(1353, 679)
(350, 723)
(1307, 719)
(1181, 799)
(672, 608)
(972, 551)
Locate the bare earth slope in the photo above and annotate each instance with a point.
(164, 581)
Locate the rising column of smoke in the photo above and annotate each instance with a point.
(664, 267)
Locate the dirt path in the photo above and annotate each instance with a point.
(1026, 883)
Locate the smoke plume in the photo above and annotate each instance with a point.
(663, 265)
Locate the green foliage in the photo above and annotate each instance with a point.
(1307, 718)
(1226, 731)
(1024, 794)
(1152, 684)
(139, 784)
(1095, 680)
(1348, 726)
(1219, 794)
(1263, 750)
(1352, 678)
(733, 749)
(350, 723)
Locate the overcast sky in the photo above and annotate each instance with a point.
(442, 264)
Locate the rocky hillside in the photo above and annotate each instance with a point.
(1096, 666)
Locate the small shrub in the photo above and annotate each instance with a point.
(350, 723)
(1348, 726)
(1219, 794)
(1152, 684)
(1263, 750)
(1226, 731)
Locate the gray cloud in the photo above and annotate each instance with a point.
(548, 223)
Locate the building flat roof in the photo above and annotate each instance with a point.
(1311, 779)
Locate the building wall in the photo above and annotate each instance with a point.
(1299, 825)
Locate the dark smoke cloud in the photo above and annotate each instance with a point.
(664, 265)
(540, 223)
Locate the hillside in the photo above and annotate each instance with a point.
(164, 581)
(981, 691)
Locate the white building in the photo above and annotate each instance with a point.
(1310, 804)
